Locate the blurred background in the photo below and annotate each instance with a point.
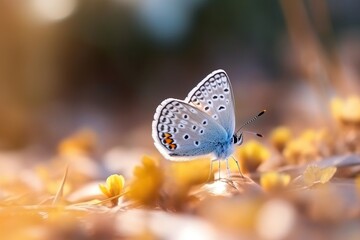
(105, 65)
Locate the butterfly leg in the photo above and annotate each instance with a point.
(237, 164)
(228, 168)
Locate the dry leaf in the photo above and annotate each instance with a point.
(314, 174)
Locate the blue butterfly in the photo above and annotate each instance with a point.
(202, 124)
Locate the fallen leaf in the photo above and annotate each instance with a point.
(314, 174)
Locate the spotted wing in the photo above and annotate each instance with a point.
(214, 96)
(181, 131)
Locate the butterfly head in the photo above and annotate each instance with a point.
(238, 139)
(238, 135)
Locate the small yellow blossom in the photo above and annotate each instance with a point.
(182, 176)
(147, 182)
(314, 174)
(191, 172)
(346, 111)
(298, 150)
(309, 135)
(305, 148)
(251, 155)
(113, 188)
(274, 181)
(280, 137)
(81, 142)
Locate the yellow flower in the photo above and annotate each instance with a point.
(306, 147)
(279, 137)
(251, 155)
(191, 172)
(309, 135)
(81, 142)
(113, 188)
(274, 181)
(314, 174)
(346, 111)
(147, 182)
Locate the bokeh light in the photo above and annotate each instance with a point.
(53, 10)
(80, 81)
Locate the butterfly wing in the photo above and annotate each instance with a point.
(214, 96)
(181, 131)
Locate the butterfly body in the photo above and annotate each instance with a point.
(224, 149)
(202, 124)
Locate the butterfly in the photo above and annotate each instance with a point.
(202, 124)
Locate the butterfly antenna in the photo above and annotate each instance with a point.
(253, 133)
(250, 121)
